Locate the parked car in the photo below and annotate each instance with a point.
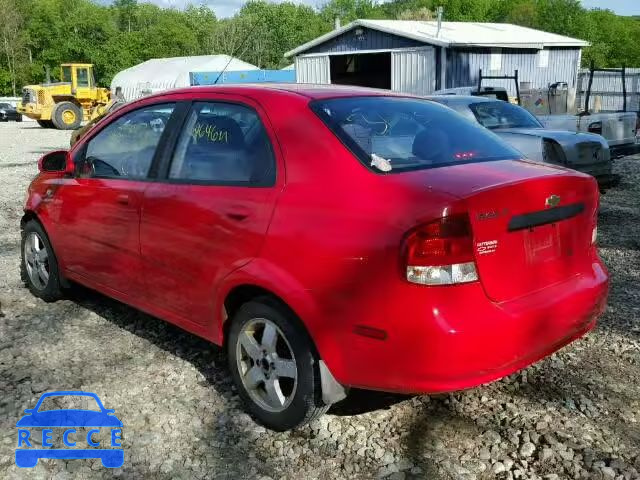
(585, 152)
(619, 129)
(329, 237)
(9, 113)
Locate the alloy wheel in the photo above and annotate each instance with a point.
(36, 259)
(266, 364)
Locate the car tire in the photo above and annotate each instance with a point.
(279, 402)
(45, 123)
(37, 257)
(66, 116)
(19, 118)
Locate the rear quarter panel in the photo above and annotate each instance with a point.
(334, 241)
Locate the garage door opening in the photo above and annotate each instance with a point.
(365, 70)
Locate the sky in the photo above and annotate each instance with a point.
(226, 8)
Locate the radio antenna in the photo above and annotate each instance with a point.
(231, 57)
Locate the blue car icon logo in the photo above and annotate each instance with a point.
(66, 423)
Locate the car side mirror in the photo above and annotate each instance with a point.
(58, 161)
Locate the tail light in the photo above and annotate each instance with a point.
(441, 252)
(552, 152)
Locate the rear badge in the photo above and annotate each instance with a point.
(552, 201)
(491, 214)
(484, 248)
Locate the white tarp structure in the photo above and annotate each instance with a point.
(160, 74)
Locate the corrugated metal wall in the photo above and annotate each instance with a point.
(413, 71)
(313, 69)
(608, 87)
(368, 40)
(463, 66)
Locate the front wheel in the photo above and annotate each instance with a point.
(273, 365)
(66, 116)
(39, 267)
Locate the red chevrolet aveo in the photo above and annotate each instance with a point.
(327, 237)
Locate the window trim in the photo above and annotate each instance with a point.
(167, 160)
(178, 111)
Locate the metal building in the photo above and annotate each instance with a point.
(420, 57)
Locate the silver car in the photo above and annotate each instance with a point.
(586, 152)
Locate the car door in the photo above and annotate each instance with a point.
(210, 213)
(100, 208)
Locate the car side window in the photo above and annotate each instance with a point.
(125, 148)
(223, 143)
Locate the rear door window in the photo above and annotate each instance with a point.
(223, 143)
(395, 134)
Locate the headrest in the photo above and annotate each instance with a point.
(431, 144)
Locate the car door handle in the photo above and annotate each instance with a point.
(238, 214)
(123, 199)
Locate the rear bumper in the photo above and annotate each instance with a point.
(445, 339)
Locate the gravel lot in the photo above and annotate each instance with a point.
(574, 415)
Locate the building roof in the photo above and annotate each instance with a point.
(456, 34)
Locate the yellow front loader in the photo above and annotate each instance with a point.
(66, 104)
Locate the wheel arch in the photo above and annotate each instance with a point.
(28, 216)
(246, 292)
(262, 278)
(58, 99)
(331, 389)
(31, 215)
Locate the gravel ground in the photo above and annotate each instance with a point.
(573, 415)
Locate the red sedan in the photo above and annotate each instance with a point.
(327, 237)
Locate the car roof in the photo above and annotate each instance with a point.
(310, 91)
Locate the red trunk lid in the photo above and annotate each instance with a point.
(532, 224)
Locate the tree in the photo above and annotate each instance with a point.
(126, 11)
(13, 45)
(421, 14)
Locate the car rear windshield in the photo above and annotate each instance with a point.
(396, 134)
(503, 115)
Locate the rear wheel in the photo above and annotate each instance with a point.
(273, 365)
(39, 267)
(66, 116)
(45, 123)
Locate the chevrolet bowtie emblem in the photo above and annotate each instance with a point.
(552, 201)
